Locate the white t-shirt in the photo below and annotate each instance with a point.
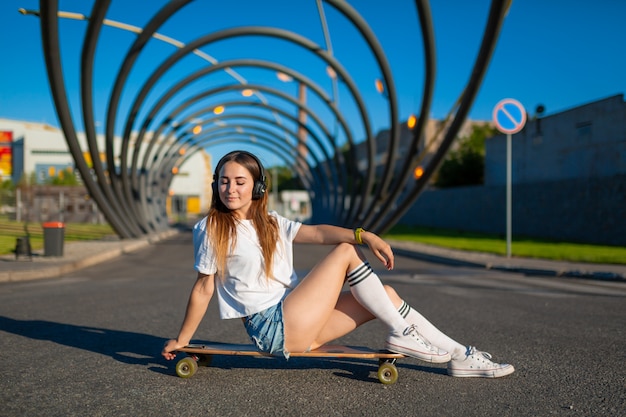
(245, 289)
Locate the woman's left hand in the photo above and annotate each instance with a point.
(380, 248)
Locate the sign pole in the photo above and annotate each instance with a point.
(509, 116)
(509, 195)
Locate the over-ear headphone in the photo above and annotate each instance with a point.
(260, 185)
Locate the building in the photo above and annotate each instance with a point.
(568, 181)
(433, 133)
(39, 151)
(587, 141)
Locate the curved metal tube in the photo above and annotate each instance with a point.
(338, 155)
(334, 167)
(87, 62)
(50, 42)
(132, 195)
(312, 134)
(497, 12)
(286, 35)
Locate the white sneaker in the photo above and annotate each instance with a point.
(412, 344)
(478, 364)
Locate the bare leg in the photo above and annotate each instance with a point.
(347, 316)
(311, 304)
(315, 312)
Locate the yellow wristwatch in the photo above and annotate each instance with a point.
(357, 235)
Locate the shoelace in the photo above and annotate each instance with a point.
(472, 351)
(412, 329)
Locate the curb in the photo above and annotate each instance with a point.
(452, 259)
(58, 267)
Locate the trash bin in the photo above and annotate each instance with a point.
(53, 236)
(22, 247)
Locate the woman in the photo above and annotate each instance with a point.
(245, 254)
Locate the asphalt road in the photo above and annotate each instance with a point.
(88, 343)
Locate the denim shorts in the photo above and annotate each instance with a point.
(266, 330)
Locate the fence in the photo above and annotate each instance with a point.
(578, 210)
(50, 203)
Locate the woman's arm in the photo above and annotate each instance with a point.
(324, 234)
(199, 299)
(331, 235)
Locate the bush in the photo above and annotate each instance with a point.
(465, 165)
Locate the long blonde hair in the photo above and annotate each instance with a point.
(222, 223)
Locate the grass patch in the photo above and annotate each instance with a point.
(11, 230)
(520, 247)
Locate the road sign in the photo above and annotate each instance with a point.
(509, 116)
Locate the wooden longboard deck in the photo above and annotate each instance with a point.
(327, 351)
(201, 354)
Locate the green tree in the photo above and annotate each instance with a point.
(7, 185)
(65, 177)
(465, 165)
(7, 193)
(27, 180)
(284, 177)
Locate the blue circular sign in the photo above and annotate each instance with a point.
(509, 116)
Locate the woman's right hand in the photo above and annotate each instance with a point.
(196, 307)
(170, 348)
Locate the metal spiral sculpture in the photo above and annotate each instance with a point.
(345, 188)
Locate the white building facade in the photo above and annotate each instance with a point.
(39, 151)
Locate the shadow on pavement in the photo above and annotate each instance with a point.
(126, 347)
(350, 368)
(142, 349)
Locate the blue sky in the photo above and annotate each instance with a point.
(557, 53)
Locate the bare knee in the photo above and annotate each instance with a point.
(393, 296)
(349, 253)
(346, 249)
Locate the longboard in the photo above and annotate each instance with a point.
(201, 354)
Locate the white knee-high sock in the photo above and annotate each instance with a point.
(368, 290)
(432, 334)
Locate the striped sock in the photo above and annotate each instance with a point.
(434, 336)
(368, 290)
